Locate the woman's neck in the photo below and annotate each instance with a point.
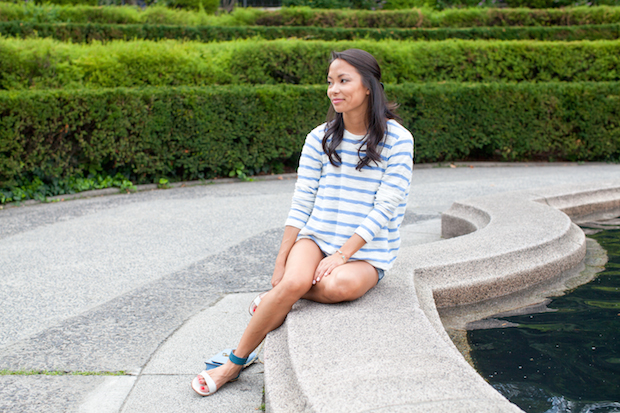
(355, 123)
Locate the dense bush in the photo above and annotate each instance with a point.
(178, 133)
(189, 133)
(443, 4)
(210, 6)
(67, 2)
(304, 16)
(533, 4)
(366, 4)
(79, 32)
(544, 4)
(50, 13)
(336, 4)
(45, 63)
(426, 18)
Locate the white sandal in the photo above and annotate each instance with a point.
(255, 302)
(209, 383)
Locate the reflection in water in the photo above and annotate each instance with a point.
(566, 359)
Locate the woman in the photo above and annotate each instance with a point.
(341, 234)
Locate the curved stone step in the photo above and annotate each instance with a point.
(388, 351)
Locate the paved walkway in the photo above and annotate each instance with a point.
(153, 283)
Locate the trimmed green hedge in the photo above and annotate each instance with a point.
(533, 4)
(189, 133)
(304, 16)
(385, 4)
(46, 63)
(80, 32)
(51, 13)
(425, 18)
(439, 4)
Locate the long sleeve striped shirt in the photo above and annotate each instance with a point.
(331, 203)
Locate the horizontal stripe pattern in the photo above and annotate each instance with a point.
(331, 203)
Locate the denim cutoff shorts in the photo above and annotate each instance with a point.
(380, 272)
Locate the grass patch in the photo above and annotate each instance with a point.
(60, 373)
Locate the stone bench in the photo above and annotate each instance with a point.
(388, 351)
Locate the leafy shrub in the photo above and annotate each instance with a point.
(427, 18)
(53, 13)
(69, 2)
(335, 4)
(81, 33)
(305, 16)
(192, 133)
(45, 63)
(210, 6)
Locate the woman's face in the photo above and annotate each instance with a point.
(346, 90)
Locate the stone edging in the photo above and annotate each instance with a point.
(388, 351)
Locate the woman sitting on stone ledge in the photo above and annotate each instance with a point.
(342, 231)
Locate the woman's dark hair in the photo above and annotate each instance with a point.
(379, 110)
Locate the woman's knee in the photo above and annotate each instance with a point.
(294, 286)
(343, 288)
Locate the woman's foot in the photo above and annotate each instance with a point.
(255, 302)
(220, 376)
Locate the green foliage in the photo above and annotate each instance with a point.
(544, 4)
(407, 4)
(198, 133)
(423, 17)
(53, 13)
(163, 183)
(45, 63)
(179, 134)
(442, 4)
(335, 4)
(210, 6)
(37, 186)
(429, 18)
(69, 2)
(85, 33)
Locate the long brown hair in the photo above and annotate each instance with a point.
(379, 110)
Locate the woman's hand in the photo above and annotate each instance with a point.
(278, 273)
(326, 266)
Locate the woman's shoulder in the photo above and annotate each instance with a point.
(397, 133)
(315, 136)
(319, 130)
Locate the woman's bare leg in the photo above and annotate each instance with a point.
(347, 282)
(297, 280)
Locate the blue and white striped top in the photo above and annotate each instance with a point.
(331, 203)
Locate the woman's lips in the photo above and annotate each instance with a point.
(336, 101)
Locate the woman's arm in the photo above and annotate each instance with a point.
(327, 264)
(289, 238)
(306, 187)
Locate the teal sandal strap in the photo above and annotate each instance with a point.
(237, 360)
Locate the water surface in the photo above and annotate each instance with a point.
(566, 359)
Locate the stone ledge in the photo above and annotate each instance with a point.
(388, 351)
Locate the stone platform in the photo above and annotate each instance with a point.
(149, 285)
(388, 351)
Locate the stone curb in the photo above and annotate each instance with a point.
(388, 351)
(150, 187)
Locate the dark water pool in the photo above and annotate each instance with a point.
(566, 359)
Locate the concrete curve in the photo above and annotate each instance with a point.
(389, 351)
